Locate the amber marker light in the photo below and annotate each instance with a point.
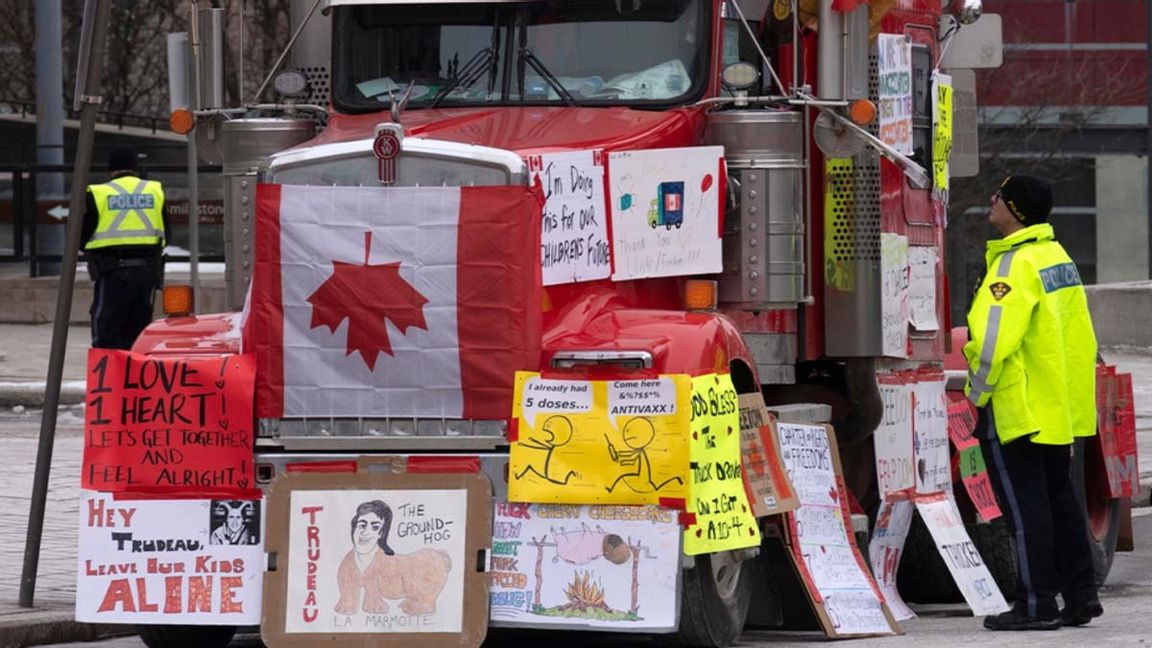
(181, 121)
(179, 300)
(699, 294)
(862, 112)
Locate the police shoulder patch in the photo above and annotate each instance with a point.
(999, 290)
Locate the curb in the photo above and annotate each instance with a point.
(39, 627)
(31, 394)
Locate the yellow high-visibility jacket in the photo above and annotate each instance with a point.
(130, 213)
(1032, 350)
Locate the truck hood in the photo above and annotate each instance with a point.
(533, 129)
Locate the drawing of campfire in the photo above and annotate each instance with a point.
(584, 595)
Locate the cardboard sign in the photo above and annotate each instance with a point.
(1116, 425)
(960, 555)
(894, 68)
(723, 518)
(895, 457)
(973, 471)
(887, 544)
(666, 206)
(600, 442)
(894, 295)
(372, 556)
(942, 132)
(574, 242)
(155, 425)
(930, 433)
(193, 562)
(765, 482)
(843, 593)
(585, 567)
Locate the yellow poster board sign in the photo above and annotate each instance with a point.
(942, 133)
(600, 441)
(724, 519)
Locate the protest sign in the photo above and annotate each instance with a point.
(600, 442)
(922, 288)
(973, 471)
(942, 132)
(666, 206)
(574, 227)
(894, 295)
(371, 555)
(183, 427)
(589, 567)
(1117, 429)
(960, 555)
(894, 70)
(843, 593)
(892, 523)
(895, 458)
(723, 519)
(765, 482)
(930, 433)
(189, 562)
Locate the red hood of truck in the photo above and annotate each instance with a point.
(534, 129)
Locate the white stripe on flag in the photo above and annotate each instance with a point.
(414, 226)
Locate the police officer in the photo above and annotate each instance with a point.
(1032, 373)
(125, 229)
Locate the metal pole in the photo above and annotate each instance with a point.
(197, 99)
(49, 116)
(89, 100)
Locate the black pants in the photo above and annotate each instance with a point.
(1034, 485)
(121, 306)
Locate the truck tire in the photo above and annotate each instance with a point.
(714, 599)
(186, 636)
(1101, 510)
(924, 578)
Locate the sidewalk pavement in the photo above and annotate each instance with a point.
(24, 352)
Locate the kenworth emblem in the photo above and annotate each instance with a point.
(387, 149)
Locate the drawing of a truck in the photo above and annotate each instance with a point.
(668, 207)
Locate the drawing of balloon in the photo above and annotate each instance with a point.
(626, 201)
(706, 183)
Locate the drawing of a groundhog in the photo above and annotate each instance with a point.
(374, 568)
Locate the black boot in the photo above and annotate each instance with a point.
(1081, 613)
(1015, 619)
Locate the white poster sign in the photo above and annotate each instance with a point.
(894, 295)
(194, 562)
(574, 231)
(895, 469)
(585, 567)
(665, 207)
(829, 562)
(930, 428)
(892, 524)
(922, 288)
(389, 561)
(960, 555)
(894, 68)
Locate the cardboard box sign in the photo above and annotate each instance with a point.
(378, 558)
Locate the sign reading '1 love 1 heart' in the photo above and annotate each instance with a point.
(165, 426)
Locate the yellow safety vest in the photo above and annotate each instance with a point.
(130, 213)
(1032, 352)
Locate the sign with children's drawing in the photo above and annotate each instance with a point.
(960, 554)
(572, 565)
(666, 206)
(574, 224)
(893, 521)
(376, 561)
(195, 562)
(599, 442)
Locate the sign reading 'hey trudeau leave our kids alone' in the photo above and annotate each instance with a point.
(169, 426)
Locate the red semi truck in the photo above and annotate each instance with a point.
(467, 93)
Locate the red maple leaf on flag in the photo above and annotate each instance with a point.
(367, 296)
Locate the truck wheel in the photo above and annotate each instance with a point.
(924, 578)
(1101, 510)
(714, 599)
(186, 636)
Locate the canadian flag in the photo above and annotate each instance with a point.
(382, 301)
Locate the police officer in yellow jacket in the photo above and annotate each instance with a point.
(125, 230)
(1032, 373)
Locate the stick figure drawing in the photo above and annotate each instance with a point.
(638, 433)
(556, 432)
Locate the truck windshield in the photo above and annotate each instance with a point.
(585, 52)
